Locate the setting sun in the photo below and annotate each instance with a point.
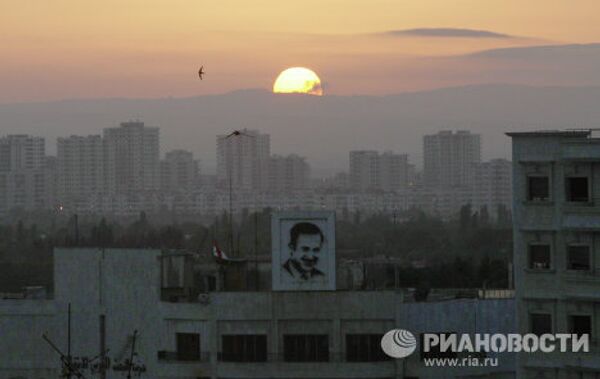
(298, 80)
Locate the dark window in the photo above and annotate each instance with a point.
(539, 257)
(188, 346)
(211, 283)
(580, 325)
(538, 188)
(577, 189)
(244, 348)
(578, 257)
(540, 323)
(364, 348)
(306, 348)
(435, 351)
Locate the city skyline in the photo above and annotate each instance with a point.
(122, 173)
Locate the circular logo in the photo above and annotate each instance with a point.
(398, 343)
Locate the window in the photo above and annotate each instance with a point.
(364, 348)
(580, 325)
(244, 348)
(578, 258)
(539, 257)
(188, 346)
(577, 189)
(538, 188)
(540, 323)
(306, 348)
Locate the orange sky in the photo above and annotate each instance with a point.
(72, 48)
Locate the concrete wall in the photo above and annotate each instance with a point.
(557, 222)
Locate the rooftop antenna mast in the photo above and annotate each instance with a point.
(231, 207)
(130, 364)
(68, 369)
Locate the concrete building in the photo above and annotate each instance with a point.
(188, 326)
(556, 250)
(364, 170)
(371, 171)
(288, 173)
(492, 185)
(179, 172)
(22, 152)
(80, 167)
(23, 174)
(131, 158)
(244, 160)
(450, 158)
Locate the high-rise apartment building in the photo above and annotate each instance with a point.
(132, 158)
(371, 171)
(288, 173)
(556, 225)
(364, 170)
(80, 167)
(492, 185)
(393, 171)
(22, 173)
(179, 172)
(450, 158)
(20, 151)
(243, 159)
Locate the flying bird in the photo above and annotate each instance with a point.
(201, 72)
(237, 133)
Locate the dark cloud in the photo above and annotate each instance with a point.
(573, 52)
(447, 33)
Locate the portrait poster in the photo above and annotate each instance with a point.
(303, 250)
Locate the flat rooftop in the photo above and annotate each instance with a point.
(576, 133)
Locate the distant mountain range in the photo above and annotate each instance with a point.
(322, 128)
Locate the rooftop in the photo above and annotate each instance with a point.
(553, 133)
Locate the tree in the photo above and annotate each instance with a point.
(465, 217)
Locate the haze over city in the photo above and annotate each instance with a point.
(149, 51)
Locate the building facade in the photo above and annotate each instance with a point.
(21, 152)
(117, 302)
(23, 174)
(288, 173)
(243, 160)
(132, 158)
(556, 250)
(179, 172)
(449, 158)
(80, 167)
(371, 171)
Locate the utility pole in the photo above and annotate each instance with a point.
(257, 276)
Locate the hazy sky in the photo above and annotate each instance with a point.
(150, 48)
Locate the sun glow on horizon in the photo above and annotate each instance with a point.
(298, 80)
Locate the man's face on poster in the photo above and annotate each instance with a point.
(308, 249)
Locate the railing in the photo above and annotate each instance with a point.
(173, 356)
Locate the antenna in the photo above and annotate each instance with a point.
(68, 368)
(257, 276)
(130, 364)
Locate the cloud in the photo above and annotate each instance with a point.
(447, 33)
(572, 52)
